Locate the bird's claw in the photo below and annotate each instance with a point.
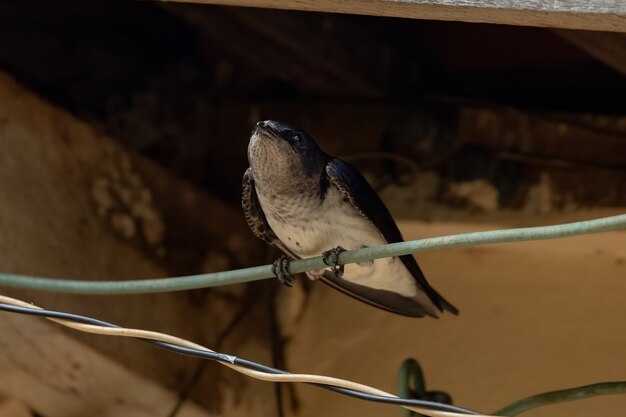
(280, 269)
(331, 257)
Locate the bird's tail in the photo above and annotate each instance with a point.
(445, 305)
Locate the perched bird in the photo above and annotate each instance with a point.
(303, 202)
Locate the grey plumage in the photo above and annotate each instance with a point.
(303, 202)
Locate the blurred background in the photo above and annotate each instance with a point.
(124, 128)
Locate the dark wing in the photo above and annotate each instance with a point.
(260, 227)
(254, 214)
(386, 300)
(360, 194)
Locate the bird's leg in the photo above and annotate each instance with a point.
(331, 258)
(279, 268)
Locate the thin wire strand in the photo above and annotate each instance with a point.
(188, 282)
(165, 340)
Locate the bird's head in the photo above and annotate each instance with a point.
(284, 155)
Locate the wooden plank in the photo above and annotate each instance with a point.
(608, 47)
(58, 376)
(607, 15)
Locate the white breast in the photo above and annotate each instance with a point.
(309, 228)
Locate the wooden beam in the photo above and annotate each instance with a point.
(607, 47)
(57, 376)
(607, 15)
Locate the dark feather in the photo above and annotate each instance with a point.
(386, 300)
(252, 210)
(360, 194)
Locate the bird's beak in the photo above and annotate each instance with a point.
(267, 128)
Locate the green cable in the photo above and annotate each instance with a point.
(411, 383)
(554, 397)
(145, 286)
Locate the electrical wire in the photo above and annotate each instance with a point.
(570, 394)
(267, 373)
(188, 282)
(244, 366)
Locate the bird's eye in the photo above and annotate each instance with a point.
(297, 141)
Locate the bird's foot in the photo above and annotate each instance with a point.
(279, 268)
(331, 257)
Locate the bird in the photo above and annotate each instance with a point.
(304, 202)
